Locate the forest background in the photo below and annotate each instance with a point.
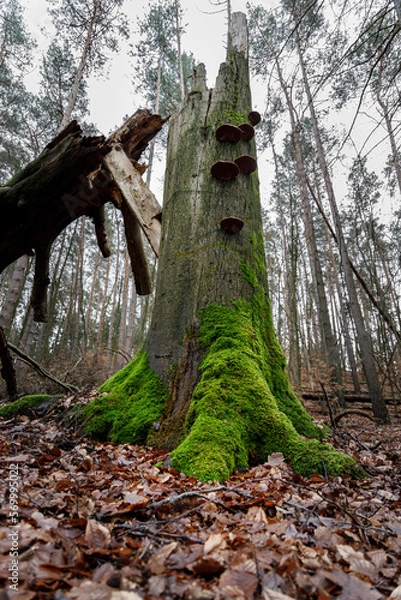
(325, 78)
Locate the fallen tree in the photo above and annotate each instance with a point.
(77, 175)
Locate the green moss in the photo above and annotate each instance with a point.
(212, 450)
(97, 418)
(134, 402)
(243, 407)
(22, 404)
(235, 117)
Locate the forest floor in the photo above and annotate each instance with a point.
(102, 521)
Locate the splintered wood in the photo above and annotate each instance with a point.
(136, 195)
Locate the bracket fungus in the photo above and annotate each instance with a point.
(246, 164)
(228, 133)
(254, 117)
(231, 224)
(247, 132)
(225, 170)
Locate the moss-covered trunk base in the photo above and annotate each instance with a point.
(241, 408)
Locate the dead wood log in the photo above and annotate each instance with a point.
(69, 179)
(349, 398)
(99, 218)
(326, 397)
(139, 264)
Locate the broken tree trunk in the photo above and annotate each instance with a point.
(210, 383)
(72, 178)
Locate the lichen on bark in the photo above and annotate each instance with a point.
(218, 389)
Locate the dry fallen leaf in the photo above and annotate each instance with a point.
(124, 595)
(88, 590)
(43, 522)
(134, 498)
(276, 459)
(358, 562)
(256, 513)
(156, 563)
(238, 584)
(216, 541)
(206, 565)
(352, 586)
(396, 594)
(298, 538)
(97, 536)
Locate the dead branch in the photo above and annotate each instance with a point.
(326, 397)
(39, 369)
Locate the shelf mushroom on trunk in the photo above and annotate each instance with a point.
(228, 133)
(254, 117)
(247, 132)
(225, 170)
(246, 164)
(231, 224)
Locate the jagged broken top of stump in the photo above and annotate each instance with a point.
(76, 175)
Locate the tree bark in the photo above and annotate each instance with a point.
(211, 381)
(14, 288)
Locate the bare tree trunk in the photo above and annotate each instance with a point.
(157, 107)
(330, 350)
(130, 331)
(57, 275)
(387, 118)
(89, 308)
(397, 6)
(122, 332)
(112, 321)
(77, 292)
(104, 301)
(15, 285)
(290, 257)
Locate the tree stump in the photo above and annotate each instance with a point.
(210, 383)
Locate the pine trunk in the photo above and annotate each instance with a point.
(210, 383)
